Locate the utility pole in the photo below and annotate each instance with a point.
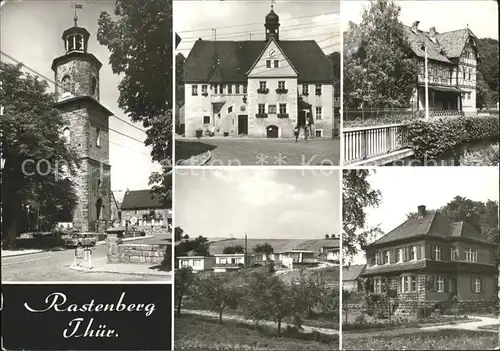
(246, 253)
(426, 84)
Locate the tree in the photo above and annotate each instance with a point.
(265, 248)
(36, 157)
(161, 185)
(198, 246)
(269, 298)
(378, 66)
(179, 79)
(216, 293)
(327, 236)
(335, 58)
(357, 195)
(184, 279)
(237, 249)
(140, 42)
(309, 291)
(487, 69)
(178, 233)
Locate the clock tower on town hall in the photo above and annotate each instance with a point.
(87, 130)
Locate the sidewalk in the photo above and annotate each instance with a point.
(12, 253)
(198, 160)
(471, 325)
(239, 319)
(100, 265)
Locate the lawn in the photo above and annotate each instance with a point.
(199, 333)
(438, 340)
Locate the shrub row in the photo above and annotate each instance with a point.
(435, 138)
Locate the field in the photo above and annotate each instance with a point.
(438, 340)
(279, 245)
(199, 333)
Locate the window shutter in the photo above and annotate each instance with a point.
(435, 281)
(472, 284)
(433, 253)
(393, 256)
(419, 252)
(405, 254)
(482, 285)
(446, 284)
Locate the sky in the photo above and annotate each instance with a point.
(265, 204)
(405, 188)
(244, 20)
(30, 32)
(480, 15)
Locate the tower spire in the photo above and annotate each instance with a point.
(75, 18)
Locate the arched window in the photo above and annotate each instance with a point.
(71, 43)
(94, 85)
(98, 137)
(66, 84)
(79, 43)
(67, 135)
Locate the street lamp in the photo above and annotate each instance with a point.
(426, 83)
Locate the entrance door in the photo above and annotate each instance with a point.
(243, 124)
(272, 131)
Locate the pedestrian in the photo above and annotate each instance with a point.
(296, 132)
(306, 130)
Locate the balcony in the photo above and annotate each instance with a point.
(263, 91)
(281, 91)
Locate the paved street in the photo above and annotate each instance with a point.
(54, 266)
(262, 152)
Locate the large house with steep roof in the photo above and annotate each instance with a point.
(452, 64)
(141, 208)
(429, 259)
(259, 88)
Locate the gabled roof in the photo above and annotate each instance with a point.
(448, 45)
(454, 41)
(434, 51)
(434, 224)
(272, 40)
(352, 272)
(140, 200)
(236, 58)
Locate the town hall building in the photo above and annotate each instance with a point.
(87, 128)
(258, 88)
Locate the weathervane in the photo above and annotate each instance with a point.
(79, 7)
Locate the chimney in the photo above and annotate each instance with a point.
(414, 26)
(421, 210)
(432, 33)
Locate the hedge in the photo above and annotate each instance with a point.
(435, 138)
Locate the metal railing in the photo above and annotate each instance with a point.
(365, 142)
(403, 114)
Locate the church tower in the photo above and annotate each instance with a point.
(87, 130)
(272, 25)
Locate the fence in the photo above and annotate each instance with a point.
(395, 113)
(364, 142)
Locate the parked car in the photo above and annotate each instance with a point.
(81, 239)
(135, 233)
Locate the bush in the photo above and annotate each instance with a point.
(435, 138)
(487, 157)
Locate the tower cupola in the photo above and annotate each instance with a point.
(272, 25)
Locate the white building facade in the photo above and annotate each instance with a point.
(258, 88)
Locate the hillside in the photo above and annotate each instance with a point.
(279, 245)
